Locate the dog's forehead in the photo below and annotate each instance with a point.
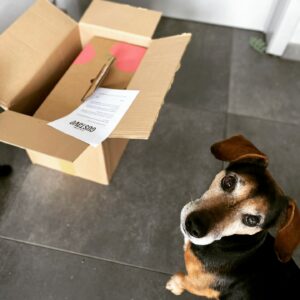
(259, 177)
(247, 193)
(255, 205)
(256, 178)
(244, 175)
(246, 182)
(249, 171)
(245, 199)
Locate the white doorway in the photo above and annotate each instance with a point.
(278, 19)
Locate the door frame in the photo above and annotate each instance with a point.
(282, 26)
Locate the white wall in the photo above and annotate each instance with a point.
(10, 10)
(296, 36)
(248, 14)
(75, 8)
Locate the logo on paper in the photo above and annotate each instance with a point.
(81, 126)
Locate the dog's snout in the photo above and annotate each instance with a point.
(196, 225)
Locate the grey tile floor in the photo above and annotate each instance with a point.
(65, 238)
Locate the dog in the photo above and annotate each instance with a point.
(229, 252)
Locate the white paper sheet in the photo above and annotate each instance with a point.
(95, 119)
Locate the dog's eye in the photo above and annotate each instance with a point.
(228, 183)
(251, 220)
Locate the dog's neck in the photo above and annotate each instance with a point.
(229, 252)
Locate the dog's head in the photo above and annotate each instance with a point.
(242, 199)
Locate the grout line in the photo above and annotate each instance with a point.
(229, 93)
(230, 71)
(262, 119)
(83, 255)
(204, 109)
(225, 132)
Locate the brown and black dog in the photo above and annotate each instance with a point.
(229, 253)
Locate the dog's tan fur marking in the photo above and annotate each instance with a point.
(247, 185)
(227, 208)
(215, 194)
(226, 212)
(197, 280)
(260, 203)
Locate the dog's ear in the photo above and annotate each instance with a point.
(238, 149)
(288, 236)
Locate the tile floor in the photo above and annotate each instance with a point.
(65, 238)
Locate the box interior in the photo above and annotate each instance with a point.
(68, 94)
(44, 42)
(40, 46)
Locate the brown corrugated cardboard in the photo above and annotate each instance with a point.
(69, 92)
(35, 51)
(119, 22)
(157, 69)
(67, 96)
(34, 134)
(23, 90)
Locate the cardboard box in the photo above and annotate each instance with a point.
(37, 50)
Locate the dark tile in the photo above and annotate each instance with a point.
(203, 79)
(263, 86)
(134, 220)
(35, 273)
(281, 142)
(20, 163)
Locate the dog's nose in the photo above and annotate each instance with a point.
(196, 225)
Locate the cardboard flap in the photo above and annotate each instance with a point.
(26, 48)
(153, 78)
(34, 134)
(120, 22)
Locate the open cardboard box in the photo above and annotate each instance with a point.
(36, 51)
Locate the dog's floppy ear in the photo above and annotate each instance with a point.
(238, 149)
(288, 236)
